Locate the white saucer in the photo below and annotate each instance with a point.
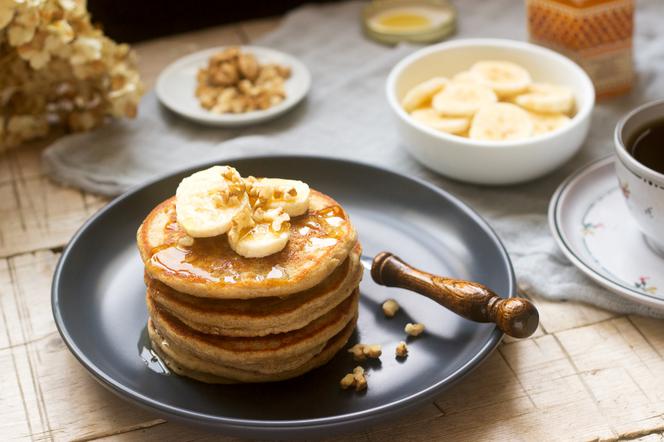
(592, 225)
(177, 83)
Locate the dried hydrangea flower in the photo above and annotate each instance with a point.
(58, 70)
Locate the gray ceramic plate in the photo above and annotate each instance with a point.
(98, 305)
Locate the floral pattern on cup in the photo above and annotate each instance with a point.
(624, 188)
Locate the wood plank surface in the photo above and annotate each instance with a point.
(587, 374)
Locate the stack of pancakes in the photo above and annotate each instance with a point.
(218, 317)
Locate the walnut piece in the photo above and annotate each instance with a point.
(355, 379)
(390, 308)
(248, 66)
(360, 379)
(361, 352)
(402, 350)
(414, 329)
(347, 381)
(186, 241)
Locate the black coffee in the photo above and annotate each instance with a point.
(647, 147)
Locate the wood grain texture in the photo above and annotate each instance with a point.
(585, 374)
(34, 213)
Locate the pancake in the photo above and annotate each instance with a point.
(186, 364)
(261, 316)
(320, 241)
(268, 354)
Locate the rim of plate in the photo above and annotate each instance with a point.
(207, 117)
(324, 422)
(560, 237)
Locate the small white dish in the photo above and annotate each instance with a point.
(490, 162)
(176, 87)
(594, 229)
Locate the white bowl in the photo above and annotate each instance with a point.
(176, 87)
(490, 162)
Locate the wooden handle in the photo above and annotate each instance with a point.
(516, 317)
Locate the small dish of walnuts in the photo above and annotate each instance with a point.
(234, 85)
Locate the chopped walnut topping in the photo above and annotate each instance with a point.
(390, 308)
(414, 329)
(233, 201)
(363, 351)
(186, 241)
(401, 350)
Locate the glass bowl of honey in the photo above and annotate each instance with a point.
(414, 21)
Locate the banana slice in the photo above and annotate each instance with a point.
(462, 99)
(290, 195)
(547, 98)
(465, 77)
(501, 121)
(259, 233)
(503, 77)
(207, 201)
(544, 123)
(422, 93)
(431, 118)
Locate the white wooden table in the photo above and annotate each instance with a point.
(587, 374)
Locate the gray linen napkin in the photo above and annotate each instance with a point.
(346, 115)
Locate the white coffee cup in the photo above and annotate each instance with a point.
(642, 187)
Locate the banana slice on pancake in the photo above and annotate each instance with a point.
(547, 98)
(503, 77)
(208, 200)
(291, 196)
(255, 212)
(259, 233)
(501, 121)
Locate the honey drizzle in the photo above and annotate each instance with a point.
(175, 260)
(190, 262)
(320, 222)
(323, 217)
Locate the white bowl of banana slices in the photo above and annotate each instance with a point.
(490, 111)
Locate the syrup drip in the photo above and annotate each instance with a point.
(177, 260)
(328, 221)
(151, 360)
